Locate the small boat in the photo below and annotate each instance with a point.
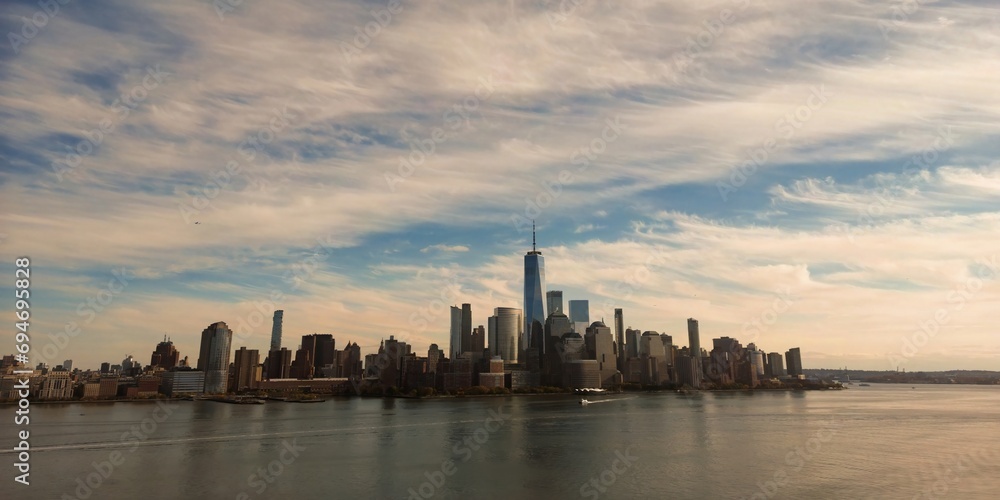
(864, 385)
(584, 402)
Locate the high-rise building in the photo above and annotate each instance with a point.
(508, 321)
(620, 338)
(279, 363)
(775, 364)
(478, 340)
(321, 348)
(455, 336)
(600, 345)
(694, 346)
(279, 316)
(534, 290)
(467, 328)
(68, 365)
(245, 362)
(164, 356)
(554, 302)
(213, 357)
(434, 355)
(793, 358)
(579, 314)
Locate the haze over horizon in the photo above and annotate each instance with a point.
(681, 160)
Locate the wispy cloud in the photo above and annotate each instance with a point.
(445, 248)
(836, 211)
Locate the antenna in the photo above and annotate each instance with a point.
(533, 235)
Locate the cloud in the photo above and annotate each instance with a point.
(307, 164)
(445, 248)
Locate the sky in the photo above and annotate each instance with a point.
(822, 175)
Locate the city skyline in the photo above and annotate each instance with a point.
(802, 183)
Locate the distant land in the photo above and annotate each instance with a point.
(981, 377)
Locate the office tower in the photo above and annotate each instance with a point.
(213, 357)
(478, 340)
(245, 362)
(694, 346)
(508, 321)
(775, 364)
(554, 302)
(279, 363)
(351, 364)
(579, 314)
(455, 335)
(320, 347)
(534, 290)
(632, 339)
(556, 325)
(68, 365)
(279, 316)
(164, 356)
(793, 358)
(467, 328)
(600, 346)
(491, 335)
(620, 338)
(433, 357)
(757, 360)
(302, 367)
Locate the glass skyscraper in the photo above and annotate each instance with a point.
(579, 314)
(506, 323)
(276, 329)
(534, 291)
(213, 358)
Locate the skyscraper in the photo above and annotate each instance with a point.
(213, 357)
(508, 321)
(321, 347)
(775, 364)
(276, 330)
(579, 314)
(554, 302)
(467, 327)
(279, 363)
(245, 362)
(164, 356)
(455, 336)
(534, 290)
(694, 341)
(620, 338)
(793, 358)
